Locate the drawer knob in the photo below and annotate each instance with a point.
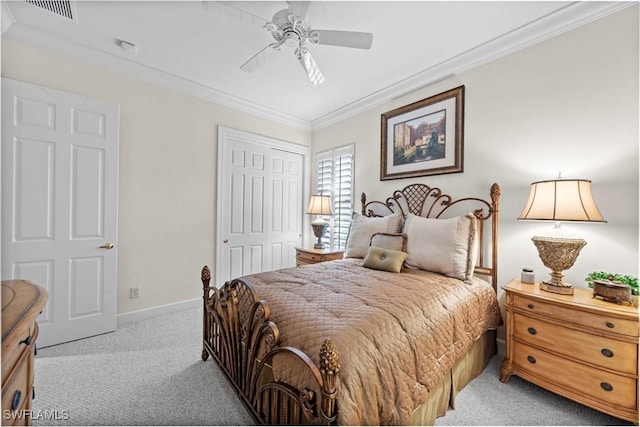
(610, 325)
(531, 359)
(606, 386)
(530, 306)
(15, 401)
(606, 352)
(532, 331)
(27, 340)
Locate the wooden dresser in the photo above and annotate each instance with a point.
(22, 301)
(311, 256)
(582, 348)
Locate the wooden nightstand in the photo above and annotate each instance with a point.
(580, 347)
(311, 256)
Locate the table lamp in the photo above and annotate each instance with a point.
(560, 200)
(319, 205)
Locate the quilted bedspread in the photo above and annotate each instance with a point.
(397, 334)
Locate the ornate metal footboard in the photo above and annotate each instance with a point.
(239, 335)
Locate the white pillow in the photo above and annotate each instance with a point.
(363, 227)
(446, 246)
(393, 241)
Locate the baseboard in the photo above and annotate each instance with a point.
(149, 313)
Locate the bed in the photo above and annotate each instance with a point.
(386, 336)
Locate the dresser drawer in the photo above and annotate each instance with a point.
(310, 258)
(603, 386)
(570, 314)
(16, 391)
(602, 351)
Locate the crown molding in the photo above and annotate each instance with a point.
(6, 17)
(35, 37)
(563, 20)
(573, 15)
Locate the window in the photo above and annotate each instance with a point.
(334, 177)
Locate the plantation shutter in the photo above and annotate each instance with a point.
(334, 177)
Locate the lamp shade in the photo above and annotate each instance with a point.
(320, 205)
(561, 200)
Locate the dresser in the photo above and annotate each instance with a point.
(577, 346)
(22, 301)
(311, 255)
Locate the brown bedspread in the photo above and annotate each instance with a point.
(397, 334)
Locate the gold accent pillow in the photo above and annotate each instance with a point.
(384, 259)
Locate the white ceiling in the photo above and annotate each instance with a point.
(191, 47)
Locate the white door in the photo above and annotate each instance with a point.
(261, 188)
(59, 206)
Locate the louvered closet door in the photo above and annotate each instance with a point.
(59, 206)
(260, 205)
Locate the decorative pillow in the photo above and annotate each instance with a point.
(363, 227)
(394, 241)
(446, 246)
(384, 259)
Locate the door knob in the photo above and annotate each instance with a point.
(225, 241)
(107, 246)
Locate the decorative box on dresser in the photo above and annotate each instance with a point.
(311, 255)
(22, 301)
(577, 346)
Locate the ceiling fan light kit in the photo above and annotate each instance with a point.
(288, 28)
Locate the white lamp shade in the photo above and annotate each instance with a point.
(561, 200)
(320, 205)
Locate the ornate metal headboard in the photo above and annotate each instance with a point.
(431, 202)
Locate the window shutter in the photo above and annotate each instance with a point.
(334, 176)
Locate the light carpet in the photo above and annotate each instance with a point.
(150, 373)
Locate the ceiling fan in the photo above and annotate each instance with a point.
(289, 29)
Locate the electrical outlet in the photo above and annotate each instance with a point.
(134, 293)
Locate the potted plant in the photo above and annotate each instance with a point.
(632, 282)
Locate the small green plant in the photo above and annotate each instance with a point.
(603, 275)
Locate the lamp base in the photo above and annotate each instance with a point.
(319, 228)
(558, 254)
(556, 289)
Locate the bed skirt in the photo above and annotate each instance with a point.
(442, 397)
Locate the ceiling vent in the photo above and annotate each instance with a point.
(62, 8)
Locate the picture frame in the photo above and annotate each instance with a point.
(423, 138)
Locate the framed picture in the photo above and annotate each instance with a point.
(423, 138)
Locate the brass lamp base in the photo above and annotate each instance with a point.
(558, 254)
(564, 290)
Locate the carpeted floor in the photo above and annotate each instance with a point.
(150, 373)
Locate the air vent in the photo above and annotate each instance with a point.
(62, 8)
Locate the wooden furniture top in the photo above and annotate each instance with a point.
(320, 251)
(582, 299)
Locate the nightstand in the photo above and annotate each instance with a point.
(311, 256)
(580, 347)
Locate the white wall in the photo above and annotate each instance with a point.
(568, 104)
(167, 177)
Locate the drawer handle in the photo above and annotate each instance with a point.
(530, 306)
(27, 340)
(606, 386)
(531, 359)
(606, 352)
(15, 401)
(610, 325)
(532, 331)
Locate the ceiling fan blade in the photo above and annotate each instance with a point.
(259, 58)
(345, 38)
(225, 8)
(310, 66)
(299, 8)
